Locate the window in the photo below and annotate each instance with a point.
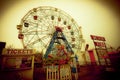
(15, 63)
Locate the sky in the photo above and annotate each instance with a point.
(97, 17)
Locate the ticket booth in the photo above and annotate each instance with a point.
(17, 64)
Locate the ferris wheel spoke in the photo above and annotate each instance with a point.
(30, 22)
(34, 42)
(27, 30)
(33, 32)
(28, 41)
(44, 44)
(47, 24)
(46, 41)
(38, 40)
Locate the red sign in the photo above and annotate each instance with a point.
(100, 44)
(93, 37)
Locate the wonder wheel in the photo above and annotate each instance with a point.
(38, 25)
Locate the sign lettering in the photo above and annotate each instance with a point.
(18, 51)
(93, 37)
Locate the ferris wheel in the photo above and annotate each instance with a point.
(38, 25)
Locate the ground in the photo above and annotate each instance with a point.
(85, 73)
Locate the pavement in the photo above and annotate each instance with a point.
(97, 73)
(89, 72)
(85, 73)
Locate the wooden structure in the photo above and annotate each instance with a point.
(59, 72)
(52, 73)
(17, 64)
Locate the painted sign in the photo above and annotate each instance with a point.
(100, 44)
(93, 37)
(17, 51)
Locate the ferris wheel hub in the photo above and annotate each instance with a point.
(59, 29)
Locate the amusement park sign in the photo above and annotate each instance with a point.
(17, 51)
